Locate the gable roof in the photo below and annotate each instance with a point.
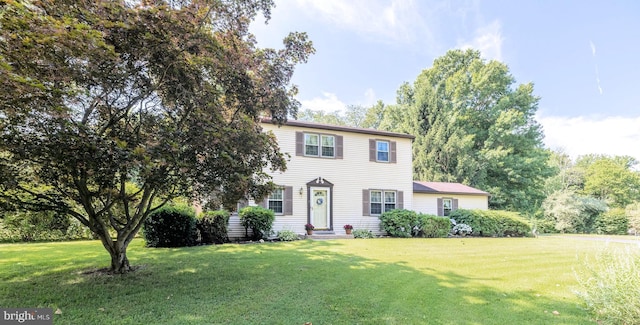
(446, 188)
(313, 125)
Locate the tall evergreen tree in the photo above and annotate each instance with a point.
(473, 125)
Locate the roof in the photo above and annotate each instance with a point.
(312, 125)
(445, 188)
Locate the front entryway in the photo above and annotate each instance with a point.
(319, 206)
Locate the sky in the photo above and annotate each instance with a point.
(583, 57)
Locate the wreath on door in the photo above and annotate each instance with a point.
(319, 201)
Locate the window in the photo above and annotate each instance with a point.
(319, 145)
(389, 201)
(276, 201)
(382, 151)
(378, 206)
(376, 202)
(310, 144)
(447, 205)
(327, 145)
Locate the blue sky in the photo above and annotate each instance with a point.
(582, 56)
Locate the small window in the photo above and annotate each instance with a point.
(447, 205)
(378, 206)
(389, 201)
(311, 145)
(328, 147)
(376, 202)
(382, 151)
(276, 201)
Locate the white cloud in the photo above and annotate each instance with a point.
(593, 48)
(616, 136)
(329, 102)
(369, 97)
(488, 39)
(399, 20)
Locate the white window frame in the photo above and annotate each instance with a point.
(319, 146)
(378, 151)
(446, 212)
(383, 201)
(273, 198)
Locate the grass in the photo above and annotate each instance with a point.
(379, 281)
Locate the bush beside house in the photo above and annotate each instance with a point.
(407, 223)
(171, 226)
(492, 223)
(212, 226)
(258, 219)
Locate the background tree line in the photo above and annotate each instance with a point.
(474, 125)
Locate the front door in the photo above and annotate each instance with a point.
(320, 207)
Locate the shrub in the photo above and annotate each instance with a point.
(611, 287)
(362, 233)
(431, 226)
(287, 235)
(171, 226)
(258, 219)
(213, 226)
(492, 223)
(400, 223)
(41, 226)
(612, 222)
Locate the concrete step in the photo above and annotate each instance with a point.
(323, 236)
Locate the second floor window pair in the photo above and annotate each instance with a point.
(319, 145)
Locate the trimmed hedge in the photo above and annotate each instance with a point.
(406, 223)
(258, 219)
(400, 223)
(612, 222)
(433, 226)
(493, 223)
(213, 227)
(171, 226)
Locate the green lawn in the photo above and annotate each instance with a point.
(375, 281)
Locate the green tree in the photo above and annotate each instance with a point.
(571, 212)
(611, 179)
(164, 94)
(633, 213)
(473, 126)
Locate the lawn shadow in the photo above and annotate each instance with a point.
(280, 283)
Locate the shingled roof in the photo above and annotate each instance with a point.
(446, 188)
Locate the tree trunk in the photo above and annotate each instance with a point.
(119, 260)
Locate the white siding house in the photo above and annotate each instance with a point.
(440, 198)
(340, 175)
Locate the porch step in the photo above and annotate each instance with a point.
(327, 235)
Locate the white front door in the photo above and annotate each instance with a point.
(320, 207)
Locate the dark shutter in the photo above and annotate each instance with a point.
(454, 205)
(440, 211)
(366, 204)
(339, 149)
(299, 144)
(288, 200)
(400, 200)
(372, 150)
(392, 145)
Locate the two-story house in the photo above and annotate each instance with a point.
(341, 175)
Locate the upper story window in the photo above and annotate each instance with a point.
(319, 145)
(382, 151)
